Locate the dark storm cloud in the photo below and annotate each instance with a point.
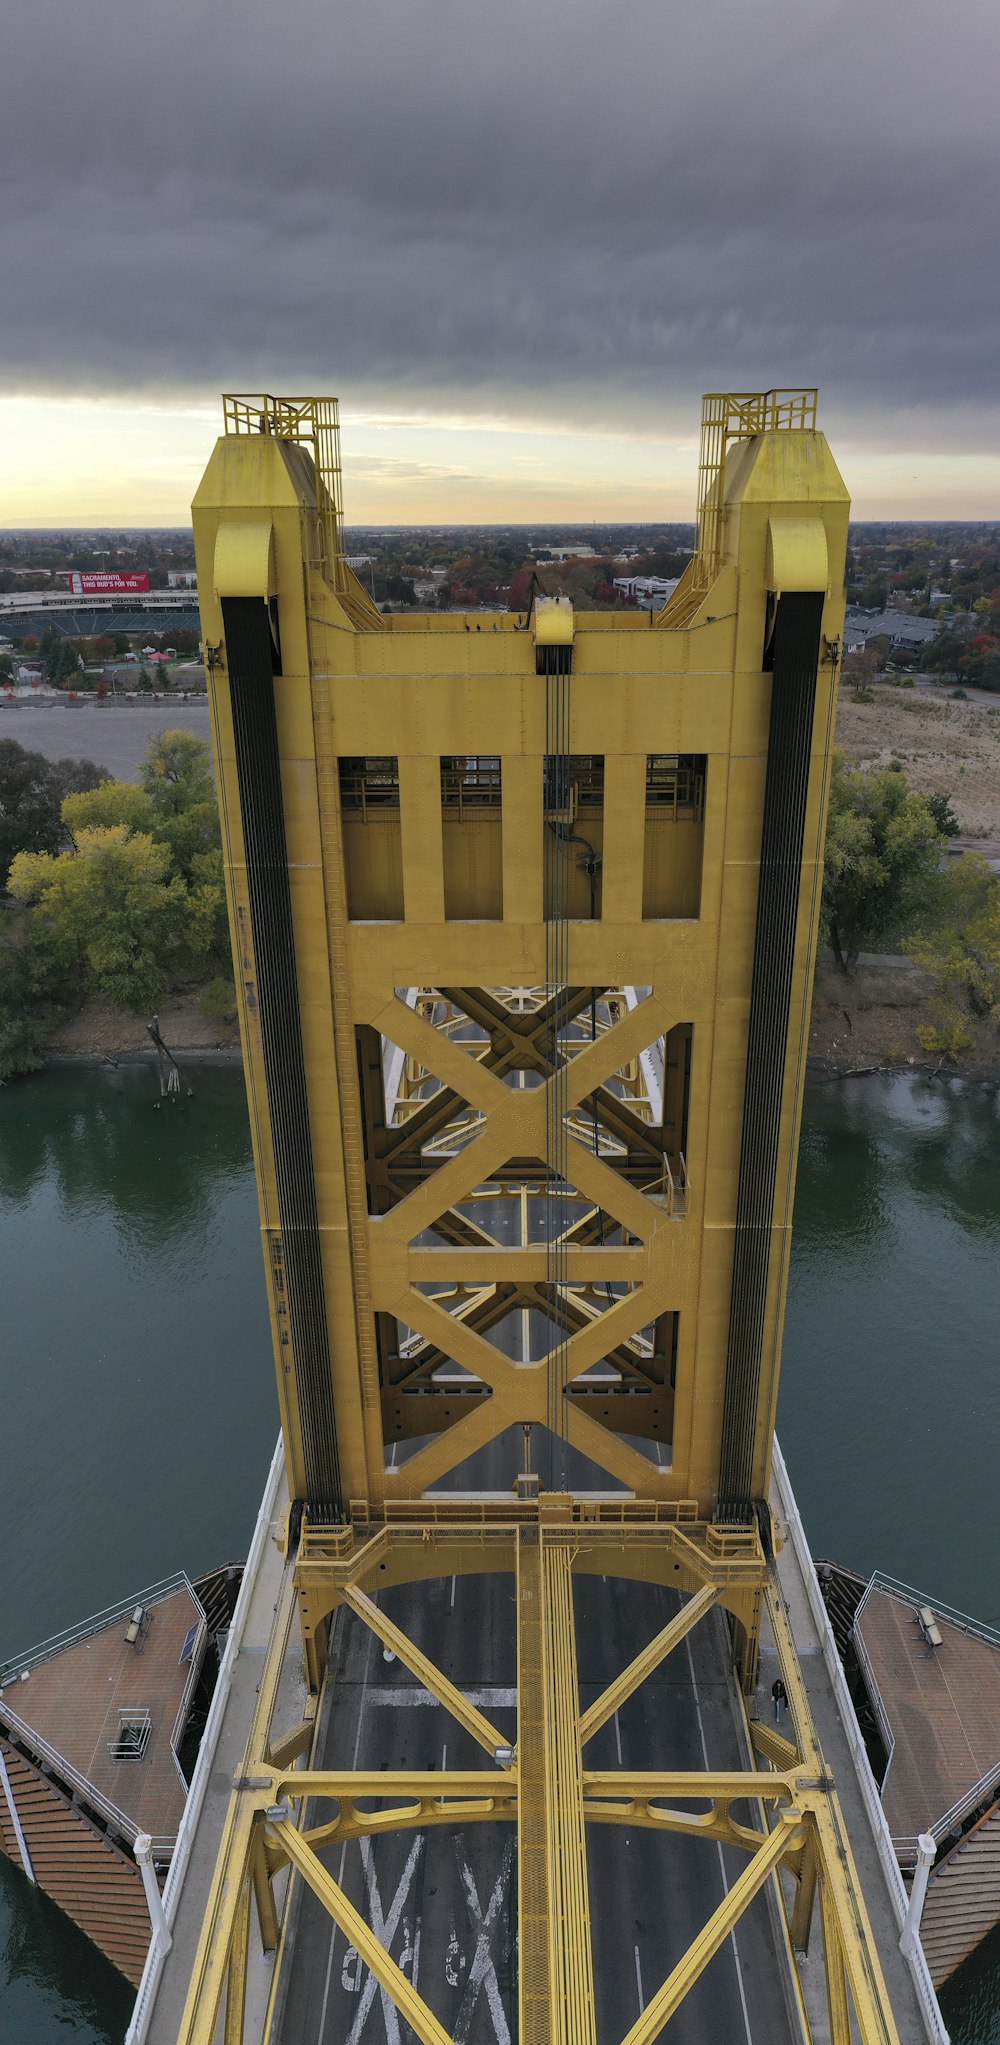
(530, 207)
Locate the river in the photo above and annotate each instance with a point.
(139, 1413)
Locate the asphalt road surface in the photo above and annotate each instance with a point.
(445, 1901)
(115, 736)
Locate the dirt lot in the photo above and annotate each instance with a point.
(945, 746)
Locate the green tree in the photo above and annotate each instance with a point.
(113, 802)
(883, 852)
(177, 778)
(31, 795)
(943, 814)
(60, 659)
(962, 947)
(6, 667)
(109, 916)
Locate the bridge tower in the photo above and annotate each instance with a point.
(524, 915)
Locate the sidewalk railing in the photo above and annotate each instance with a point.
(158, 1947)
(11, 1669)
(913, 1953)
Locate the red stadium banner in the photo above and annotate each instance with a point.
(107, 583)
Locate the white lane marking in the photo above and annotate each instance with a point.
(487, 1699)
(638, 1980)
(618, 1739)
(343, 1850)
(451, 1600)
(444, 1755)
(385, 1929)
(722, 1862)
(453, 1958)
(483, 1973)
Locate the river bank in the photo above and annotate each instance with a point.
(868, 1022)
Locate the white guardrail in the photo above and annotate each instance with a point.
(159, 1947)
(913, 1954)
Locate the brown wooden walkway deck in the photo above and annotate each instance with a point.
(943, 1711)
(74, 1697)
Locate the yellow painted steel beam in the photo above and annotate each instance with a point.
(473, 1783)
(723, 1785)
(571, 1964)
(534, 1905)
(648, 1659)
(355, 1824)
(410, 2004)
(710, 1824)
(772, 1746)
(426, 1671)
(836, 1978)
(532, 1265)
(236, 1973)
(667, 2000)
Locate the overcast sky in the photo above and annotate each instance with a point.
(517, 239)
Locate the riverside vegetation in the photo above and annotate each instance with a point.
(115, 894)
(113, 890)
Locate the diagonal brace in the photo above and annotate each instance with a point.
(412, 2006)
(426, 1671)
(787, 1835)
(648, 1659)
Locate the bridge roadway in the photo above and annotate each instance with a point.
(446, 1901)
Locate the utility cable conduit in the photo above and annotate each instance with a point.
(913, 1954)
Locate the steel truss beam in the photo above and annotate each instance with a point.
(551, 1798)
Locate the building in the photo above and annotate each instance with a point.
(903, 631)
(648, 590)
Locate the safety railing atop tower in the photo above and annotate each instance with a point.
(727, 416)
(313, 423)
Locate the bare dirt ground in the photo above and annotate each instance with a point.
(100, 1031)
(869, 1022)
(946, 747)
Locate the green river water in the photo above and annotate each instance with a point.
(139, 1416)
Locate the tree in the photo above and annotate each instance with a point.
(883, 852)
(114, 802)
(962, 949)
(6, 668)
(31, 795)
(60, 659)
(943, 814)
(862, 668)
(108, 916)
(177, 777)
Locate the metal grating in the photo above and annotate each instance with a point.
(727, 416)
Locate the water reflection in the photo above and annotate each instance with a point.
(53, 1979)
(80, 1141)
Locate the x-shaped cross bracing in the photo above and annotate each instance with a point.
(516, 1126)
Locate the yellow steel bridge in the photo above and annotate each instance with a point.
(524, 914)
